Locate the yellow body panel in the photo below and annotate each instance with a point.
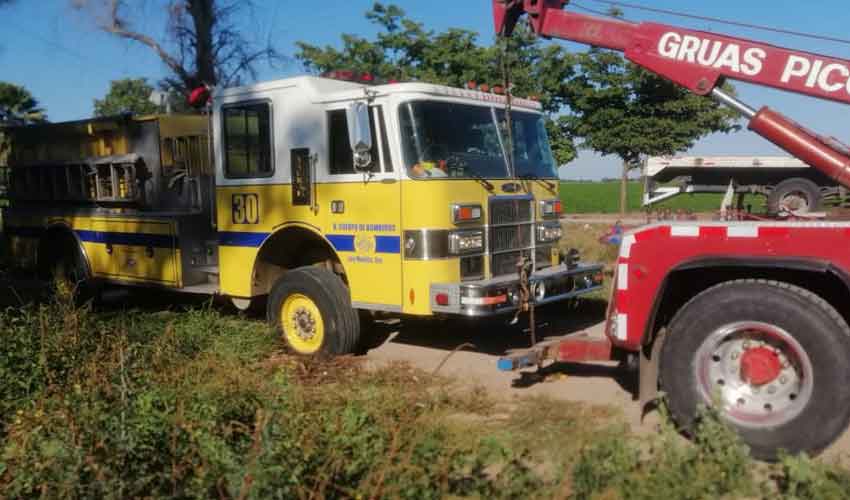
(136, 262)
(427, 205)
(120, 249)
(359, 234)
(235, 265)
(372, 211)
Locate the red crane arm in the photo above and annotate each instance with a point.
(699, 61)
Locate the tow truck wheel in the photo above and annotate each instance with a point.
(795, 196)
(310, 308)
(772, 357)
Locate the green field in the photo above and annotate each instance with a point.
(604, 197)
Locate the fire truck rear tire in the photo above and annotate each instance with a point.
(64, 266)
(772, 357)
(797, 190)
(310, 308)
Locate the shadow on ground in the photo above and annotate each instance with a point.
(495, 336)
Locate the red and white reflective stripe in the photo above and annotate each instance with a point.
(743, 229)
(484, 301)
(622, 276)
(748, 231)
(620, 319)
(689, 231)
(626, 245)
(621, 332)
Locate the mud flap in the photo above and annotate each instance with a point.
(648, 374)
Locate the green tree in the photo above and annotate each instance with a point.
(617, 108)
(18, 106)
(130, 95)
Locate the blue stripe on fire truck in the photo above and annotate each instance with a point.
(103, 237)
(341, 242)
(387, 244)
(234, 239)
(130, 239)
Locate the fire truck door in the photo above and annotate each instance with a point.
(364, 221)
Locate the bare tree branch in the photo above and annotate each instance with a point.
(115, 25)
(204, 44)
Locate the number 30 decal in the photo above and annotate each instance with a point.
(246, 209)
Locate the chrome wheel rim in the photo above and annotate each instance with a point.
(794, 202)
(756, 372)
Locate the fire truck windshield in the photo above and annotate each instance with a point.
(444, 139)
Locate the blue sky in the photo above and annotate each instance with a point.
(58, 54)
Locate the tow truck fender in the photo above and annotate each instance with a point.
(654, 335)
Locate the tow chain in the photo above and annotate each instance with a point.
(525, 266)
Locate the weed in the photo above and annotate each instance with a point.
(715, 465)
(801, 478)
(198, 405)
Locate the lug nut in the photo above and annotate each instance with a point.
(783, 379)
(771, 390)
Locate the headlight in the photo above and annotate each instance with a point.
(550, 208)
(547, 233)
(466, 242)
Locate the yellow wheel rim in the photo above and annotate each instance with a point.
(302, 324)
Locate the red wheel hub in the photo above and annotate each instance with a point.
(760, 366)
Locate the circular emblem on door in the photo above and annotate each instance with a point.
(364, 243)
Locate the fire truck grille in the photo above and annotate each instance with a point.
(510, 210)
(511, 232)
(504, 263)
(510, 237)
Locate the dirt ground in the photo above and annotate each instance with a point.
(468, 351)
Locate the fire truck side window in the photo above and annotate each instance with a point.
(341, 157)
(247, 140)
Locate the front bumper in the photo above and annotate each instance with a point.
(501, 295)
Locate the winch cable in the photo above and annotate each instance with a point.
(506, 77)
(728, 22)
(525, 264)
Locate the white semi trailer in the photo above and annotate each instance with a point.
(790, 185)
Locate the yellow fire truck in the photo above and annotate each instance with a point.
(316, 195)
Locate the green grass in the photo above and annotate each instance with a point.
(604, 197)
(199, 404)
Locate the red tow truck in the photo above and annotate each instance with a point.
(751, 316)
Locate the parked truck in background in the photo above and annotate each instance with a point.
(751, 317)
(789, 186)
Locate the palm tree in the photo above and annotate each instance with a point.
(18, 106)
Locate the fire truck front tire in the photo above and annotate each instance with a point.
(770, 356)
(310, 308)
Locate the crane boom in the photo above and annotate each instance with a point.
(700, 61)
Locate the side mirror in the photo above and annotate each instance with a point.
(360, 134)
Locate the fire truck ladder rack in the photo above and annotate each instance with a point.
(106, 179)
